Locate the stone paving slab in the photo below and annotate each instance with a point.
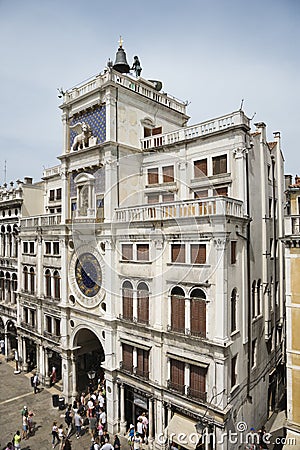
(15, 392)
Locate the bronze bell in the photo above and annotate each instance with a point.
(121, 65)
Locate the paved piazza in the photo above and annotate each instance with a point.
(15, 392)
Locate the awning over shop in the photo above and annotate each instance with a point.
(182, 431)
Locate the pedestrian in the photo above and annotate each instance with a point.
(30, 423)
(69, 421)
(102, 418)
(54, 433)
(24, 427)
(66, 444)
(35, 383)
(130, 436)
(95, 445)
(137, 441)
(61, 434)
(107, 446)
(9, 446)
(117, 443)
(140, 428)
(2, 346)
(17, 440)
(24, 411)
(92, 426)
(262, 438)
(53, 376)
(78, 424)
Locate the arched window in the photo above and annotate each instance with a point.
(32, 280)
(127, 298)
(14, 286)
(56, 277)
(198, 313)
(8, 286)
(142, 303)
(253, 299)
(25, 279)
(233, 308)
(259, 309)
(1, 285)
(3, 240)
(48, 283)
(178, 309)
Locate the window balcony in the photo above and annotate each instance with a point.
(51, 336)
(196, 394)
(180, 388)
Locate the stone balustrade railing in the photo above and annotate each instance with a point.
(41, 221)
(202, 129)
(140, 85)
(51, 171)
(211, 206)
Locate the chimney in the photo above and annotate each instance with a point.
(261, 127)
(288, 179)
(27, 180)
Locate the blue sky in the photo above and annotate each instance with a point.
(212, 54)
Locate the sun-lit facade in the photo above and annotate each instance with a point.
(155, 259)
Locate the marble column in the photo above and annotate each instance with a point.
(24, 355)
(122, 408)
(150, 425)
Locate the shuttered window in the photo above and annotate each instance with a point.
(219, 164)
(233, 310)
(177, 375)
(222, 191)
(200, 168)
(234, 371)
(198, 382)
(142, 363)
(127, 252)
(143, 303)
(156, 130)
(48, 283)
(153, 176)
(177, 310)
(127, 301)
(198, 313)
(233, 252)
(178, 253)
(168, 174)
(201, 194)
(142, 252)
(127, 357)
(167, 198)
(198, 253)
(153, 198)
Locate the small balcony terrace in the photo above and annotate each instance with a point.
(210, 206)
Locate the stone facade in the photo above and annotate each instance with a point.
(157, 262)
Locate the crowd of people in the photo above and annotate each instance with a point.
(87, 414)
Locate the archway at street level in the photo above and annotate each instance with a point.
(89, 354)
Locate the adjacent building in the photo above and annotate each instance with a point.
(292, 257)
(156, 261)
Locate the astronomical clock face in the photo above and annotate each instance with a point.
(88, 274)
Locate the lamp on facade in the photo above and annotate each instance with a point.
(91, 374)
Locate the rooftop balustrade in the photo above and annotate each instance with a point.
(194, 131)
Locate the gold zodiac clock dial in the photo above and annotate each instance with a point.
(88, 274)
